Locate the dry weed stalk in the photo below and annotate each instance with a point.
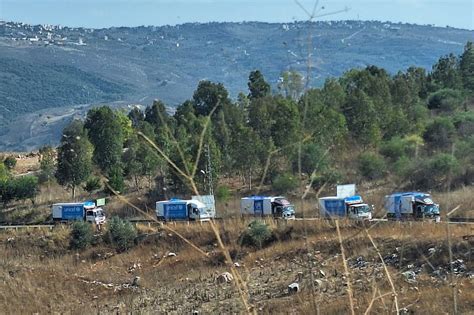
(387, 272)
(346, 269)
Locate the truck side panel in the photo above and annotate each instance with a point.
(73, 212)
(175, 211)
(332, 207)
(407, 204)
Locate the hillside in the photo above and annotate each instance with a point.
(54, 69)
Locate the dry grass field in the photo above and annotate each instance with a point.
(39, 274)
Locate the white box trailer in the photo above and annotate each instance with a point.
(276, 206)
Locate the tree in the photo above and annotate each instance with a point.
(440, 133)
(466, 66)
(362, 118)
(208, 96)
(47, 163)
(321, 115)
(291, 83)
(74, 156)
(136, 116)
(446, 72)
(106, 133)
(258, 87)
(247, 151)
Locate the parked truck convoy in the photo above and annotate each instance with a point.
(352, 207)
(79, 211)
(276, 206)
(411, 205)
(177, 209)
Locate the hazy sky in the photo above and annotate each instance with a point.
(105, 13)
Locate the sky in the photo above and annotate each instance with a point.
(106, 13)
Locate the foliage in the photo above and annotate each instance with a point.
(371, 166)
(19, 188)
(120, 233)
(257, 235)
(47, 163)
(446, 100)
(285, 183)
(10, 162)
(257, 85)
(106, 133)
(208, 96)
(367, 119)
(466, 67)
(93, 183)
(116, 180)
(223, 193)
(74, 156)
(440, 133)
(81, 235)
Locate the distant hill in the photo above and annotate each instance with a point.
(46, 71)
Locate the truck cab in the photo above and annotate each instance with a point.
(357, 209)
(282, 208)
(96, 216)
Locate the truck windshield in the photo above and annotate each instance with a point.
(289, 209)
(363, 209)
(431, 209)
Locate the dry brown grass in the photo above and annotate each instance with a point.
(41, 275)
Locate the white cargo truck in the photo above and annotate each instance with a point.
(79, 211)
(259, 206)
(181, 210)
(352, 207)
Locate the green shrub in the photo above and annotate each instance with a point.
(445, 100)
(371, 165)
(116, 180)
(10, 162)
(440, 132)
(257, 235)
(81, 235)
(121, 234)
(443, 165)
(393, 149)
(284, 183)
(223, 193)
(92, 184)
(403, 166)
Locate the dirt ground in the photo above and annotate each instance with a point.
(39, 274)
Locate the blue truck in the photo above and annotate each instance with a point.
(177, 209)
(78, 211)
(411, 205)
(352, 207)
